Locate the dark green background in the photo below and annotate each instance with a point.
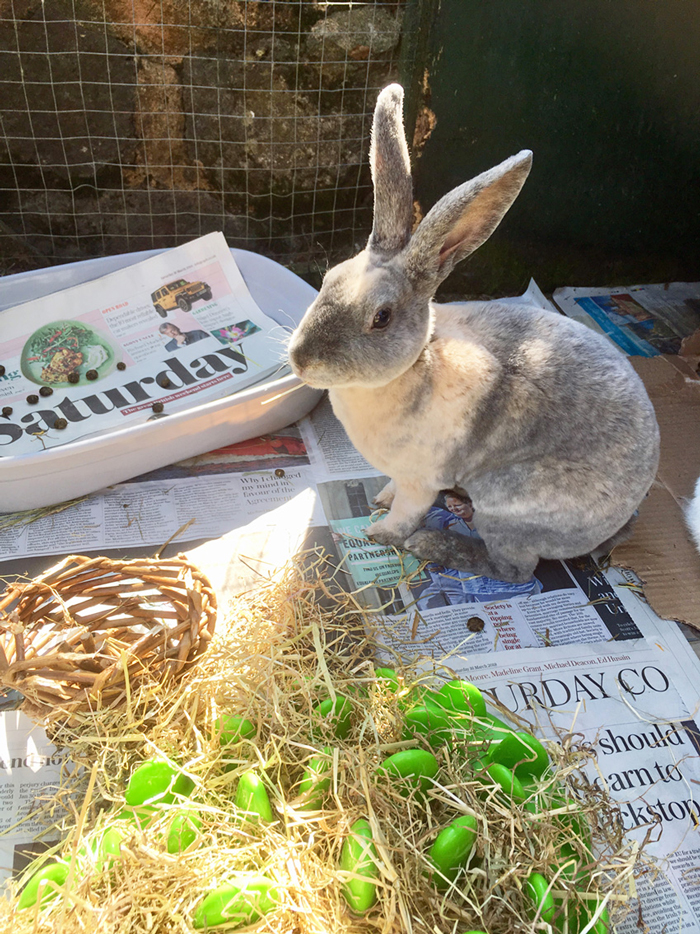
(607, 95)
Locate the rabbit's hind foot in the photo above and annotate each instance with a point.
(469, 554)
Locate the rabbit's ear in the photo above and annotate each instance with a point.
(465, 218)
(391, 174)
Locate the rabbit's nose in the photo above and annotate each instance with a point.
(299, 355)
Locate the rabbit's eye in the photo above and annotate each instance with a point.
(382, 318)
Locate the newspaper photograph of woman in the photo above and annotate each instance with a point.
(175, 337)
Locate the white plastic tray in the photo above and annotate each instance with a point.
(30, 481)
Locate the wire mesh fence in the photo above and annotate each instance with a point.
(135, 124)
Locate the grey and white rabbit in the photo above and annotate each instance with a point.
(541, 421)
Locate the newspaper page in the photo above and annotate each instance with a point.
(205, 497)
(639, 713)
(176, 329)
(563, 603)
(642, 320)
(30, 775)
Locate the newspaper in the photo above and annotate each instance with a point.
(642, 320)
(30, 775)
(207, 497)
(575, 648)
(177, 329)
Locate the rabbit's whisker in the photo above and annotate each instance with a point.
(281, 394)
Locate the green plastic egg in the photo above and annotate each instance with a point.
(492, 729)
(451, 850)
(336, 715)
(569, 865)
(183, 831)
(157, 782)
(497, 725)
(44, 885)
(510, 784)
(569, 861)
(234, 729)
(388, 678)
(140, 816)
(430, 721)
(574, 824)
(411, 768)
(237, 903)
(110, 847)
(316, 780)
(460, 697)
(359, 856)
(583, 915)
(521, 752)
(252, 798)
(537, 888)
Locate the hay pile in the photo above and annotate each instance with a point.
(283, 649)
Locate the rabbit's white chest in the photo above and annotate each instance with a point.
(416, 423)
(378, 435)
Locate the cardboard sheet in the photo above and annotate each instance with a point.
(660, 551)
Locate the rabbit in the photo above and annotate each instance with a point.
(538, 419)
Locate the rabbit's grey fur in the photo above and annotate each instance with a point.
(540, 420)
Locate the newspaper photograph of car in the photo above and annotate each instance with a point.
(179, 294)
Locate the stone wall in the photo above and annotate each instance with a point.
(132, 124)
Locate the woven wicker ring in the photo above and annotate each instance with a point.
(89, 629)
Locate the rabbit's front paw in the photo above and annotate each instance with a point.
(383, 533)
(385, 497)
